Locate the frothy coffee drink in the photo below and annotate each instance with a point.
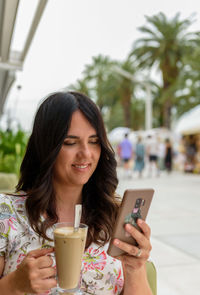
(69, 249)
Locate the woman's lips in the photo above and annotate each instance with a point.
(81, 167)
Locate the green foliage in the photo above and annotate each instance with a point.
(8, 181)
(115, 117)
(138, 115)
(80, 86)
(165, 45)
(12, 148)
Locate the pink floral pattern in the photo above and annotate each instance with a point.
(94, 259)
(20, 258)
(101, 274)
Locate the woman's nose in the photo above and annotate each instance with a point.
(85, 150)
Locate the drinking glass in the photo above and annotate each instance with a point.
(69, 249)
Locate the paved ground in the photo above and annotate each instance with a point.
(174, 218)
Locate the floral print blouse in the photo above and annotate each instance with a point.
(102, 274)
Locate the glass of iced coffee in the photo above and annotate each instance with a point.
(69, 249)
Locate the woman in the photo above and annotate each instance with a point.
(68, 161)
(139, 154)
(168, 155)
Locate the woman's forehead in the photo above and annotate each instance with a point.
(79, 124)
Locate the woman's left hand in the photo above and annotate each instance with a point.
(136, 256)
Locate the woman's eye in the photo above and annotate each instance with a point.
(69, 142)
(96, 141)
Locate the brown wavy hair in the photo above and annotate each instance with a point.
(50, 128)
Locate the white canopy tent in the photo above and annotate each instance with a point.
(189, 123)
(117, 134)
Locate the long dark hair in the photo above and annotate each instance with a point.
(50, 128)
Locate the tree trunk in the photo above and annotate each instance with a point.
(167, 113)
(126, 104)
(170, 75)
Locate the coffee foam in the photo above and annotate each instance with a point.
(68, 231)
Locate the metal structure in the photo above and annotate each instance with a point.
(12, 61)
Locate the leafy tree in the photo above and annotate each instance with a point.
(188, 95)
(122, 79)
(115, 116)
(80, 86)
(12, 148)
(96, 74)
(111, 84)
(165, 45)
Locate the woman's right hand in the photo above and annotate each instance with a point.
(35, 274)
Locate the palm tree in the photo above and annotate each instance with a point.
(80, 86)
(96, 74)
(123, 87)
(106, 81)
(165, 46)
(190, 78)
(109, 86)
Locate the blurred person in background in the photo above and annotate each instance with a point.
(126, 153)
(152, 153)
(161, 154)
(190, 153)
(168, 155)
(197, 156)
(139, 157)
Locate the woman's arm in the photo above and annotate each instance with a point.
(34, 275)
(134, 262)
(2, 263)
(138, 285)
(6, 283)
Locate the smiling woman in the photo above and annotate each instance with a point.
(68, 161)
(79, 154)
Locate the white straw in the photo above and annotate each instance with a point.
(77, 219)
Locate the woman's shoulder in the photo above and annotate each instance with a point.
(10, 203)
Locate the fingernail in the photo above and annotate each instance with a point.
(140, 221)
(128, 227)
(116, 242)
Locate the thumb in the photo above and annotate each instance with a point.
(39, 252)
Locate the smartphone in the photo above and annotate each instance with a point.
(135, 204)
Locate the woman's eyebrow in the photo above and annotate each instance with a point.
(71, 136)
(76, 137)
(93, 136)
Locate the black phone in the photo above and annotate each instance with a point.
(135, 204)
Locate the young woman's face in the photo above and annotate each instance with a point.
(79, 154)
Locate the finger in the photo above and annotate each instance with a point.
(44, 261)
(144, 227)
(129, 249)
(140, 238)
(51, 283)
(48, 284)
(40, 252)
(46, 273)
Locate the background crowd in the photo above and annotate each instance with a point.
(149, 156)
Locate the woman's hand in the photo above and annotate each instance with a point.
(35, 274)
(136, 256)
(134, 261)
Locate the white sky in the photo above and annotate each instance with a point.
(70, 33)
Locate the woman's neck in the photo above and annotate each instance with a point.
(66, 199)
